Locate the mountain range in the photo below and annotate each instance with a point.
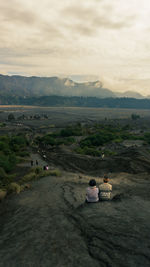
(22, 86)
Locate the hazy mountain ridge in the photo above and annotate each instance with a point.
(46, 86)
(129, 94)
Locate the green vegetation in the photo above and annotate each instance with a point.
(135, 116)
(92, 137)
(72, 131)
(107, 134)
(2, 124)
(88, 151)
(36, 173)
(65, 136)
(11, 149)
(146, 137)
(54, 140)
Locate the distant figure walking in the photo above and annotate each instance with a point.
(92, 192)
(31, 162)
(37, 162)
(44, 156)
(105, 189)
(102, 156)
(47, 168)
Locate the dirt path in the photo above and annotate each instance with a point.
(50, 225)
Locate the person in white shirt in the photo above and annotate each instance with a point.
(105, 189)
(92, 192)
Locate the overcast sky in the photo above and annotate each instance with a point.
(109, 39)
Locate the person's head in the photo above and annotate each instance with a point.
(106, 179)
(92, 182)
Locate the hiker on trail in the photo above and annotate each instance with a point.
(103, 155)
(37, 162)
(105, 189)
(44, 156)
(92, 192)
(47, 167)
(31, 162)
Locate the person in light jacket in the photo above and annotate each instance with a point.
(105, 189)
(92, 192)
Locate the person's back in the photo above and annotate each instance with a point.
(92, 192)
(105, 189)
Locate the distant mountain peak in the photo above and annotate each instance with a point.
(129, 94)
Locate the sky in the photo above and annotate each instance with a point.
(86, 39)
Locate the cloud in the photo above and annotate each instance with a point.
(88, 20)
(95, 37)
(15, 13)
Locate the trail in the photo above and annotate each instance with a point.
(49, 225)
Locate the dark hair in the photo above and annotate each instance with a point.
(105, 179)
(92, 182)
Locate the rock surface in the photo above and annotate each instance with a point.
(131, 160)
(50, 225)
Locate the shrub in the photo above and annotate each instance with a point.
(7, 162)
(88, 151)
(49, 140)
(71, 131)
(109, 153)
(3, 194)
(2, 124)
(97, 139)
(14, 188)
(38, 172)
(30, 176)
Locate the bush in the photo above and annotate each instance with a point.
(3, 194)
(8, 162)
(14, 188)
(109, 153)
(2, 124)
(88, 151)
(29, 177)
(38, 172)
(71, 131)
(49, 140)
(97, 139)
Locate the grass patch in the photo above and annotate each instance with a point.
(36, 173)
(13, 188)
(3, 194)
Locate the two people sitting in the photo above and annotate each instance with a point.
(94, 194)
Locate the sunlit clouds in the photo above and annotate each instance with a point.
(99, 38)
